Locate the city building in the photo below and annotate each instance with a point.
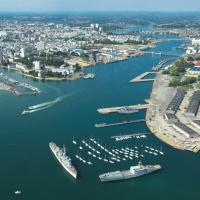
(3, 33)
(40, 46)
(1, 55)
(194, 71)
(26, 51)
(196, 42)
(37, 66)
(64, 71)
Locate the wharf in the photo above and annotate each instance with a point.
(116, 109)
(141, 77)
(160, 98)
(102, 125)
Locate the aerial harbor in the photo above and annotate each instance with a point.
(98, 104)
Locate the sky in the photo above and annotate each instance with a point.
(98, 5)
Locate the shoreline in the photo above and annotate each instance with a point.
(79, 75)
(157, 109)
(7, 88)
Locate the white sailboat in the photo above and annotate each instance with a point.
(110, 161)
(80, 147)
(105, 160)
(161, 152)
(73, 141)
(17, 192)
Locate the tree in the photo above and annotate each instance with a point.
(174, 71)
(174, 83)
(77, 67)
(166, 71)
(85, 57)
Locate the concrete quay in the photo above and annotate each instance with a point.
(116, 109)
(141, 77)
(160, 98)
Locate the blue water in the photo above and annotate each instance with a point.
(27, 163)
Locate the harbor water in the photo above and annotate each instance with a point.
(27, 163)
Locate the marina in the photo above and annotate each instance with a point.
(94, 151)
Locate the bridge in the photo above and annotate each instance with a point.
(160, 53)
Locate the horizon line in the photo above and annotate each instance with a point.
(100, 11)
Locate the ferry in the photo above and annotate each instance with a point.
(127, 110)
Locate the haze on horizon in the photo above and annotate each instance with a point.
(98, 5)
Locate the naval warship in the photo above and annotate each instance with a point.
(134, 171)
(65, 161)
(127, 110)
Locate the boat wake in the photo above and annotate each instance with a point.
(35, 110)
(45, 105)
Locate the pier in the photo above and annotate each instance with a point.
(141, 77)
(13, 83)
(116, 109)
(102, 125)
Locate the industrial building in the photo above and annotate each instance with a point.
(185, 130)
(193, 106)
(196, 124)
(170, 118)
(176, 101)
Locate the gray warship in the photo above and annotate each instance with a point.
(133, 172)
(64, 160)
